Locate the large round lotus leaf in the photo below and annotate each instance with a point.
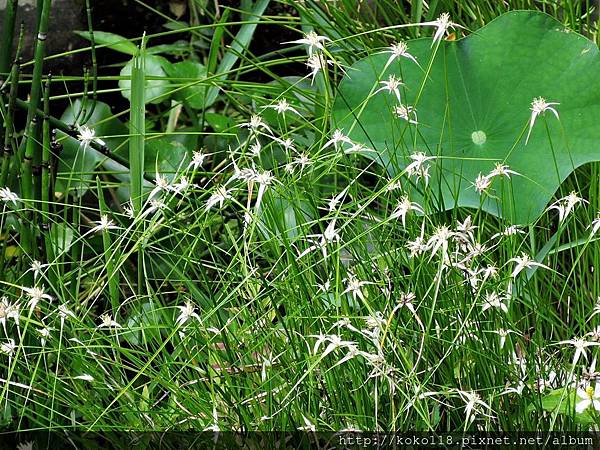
(473, 104)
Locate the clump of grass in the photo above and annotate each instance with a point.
(284, 281)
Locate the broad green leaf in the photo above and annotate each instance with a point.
(563, 401)
(473, 109)
(176, 25)
(157, 84)
(111, 40)
(219, 122)
(78, 161)
(61, 237)
(169, 153)
(280, 216)
(165, 154)
(143, 325)
(178, 48)
(188, 77)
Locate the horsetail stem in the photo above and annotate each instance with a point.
(9, 145)
(94, 62)
(46, 141)
(36, 81)
(6, 41)
(46, 183)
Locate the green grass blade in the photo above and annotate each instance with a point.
(241, 42)
(137, 129)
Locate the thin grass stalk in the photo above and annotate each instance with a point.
(76, 251)
(136, 142)
(88, 10)
(137, 129)
(82, 112)
(241, 42)
(213, 54)
(109, 256)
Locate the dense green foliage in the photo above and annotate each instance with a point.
(218, 255)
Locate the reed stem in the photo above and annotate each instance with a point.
(9, 143)
(6, 41)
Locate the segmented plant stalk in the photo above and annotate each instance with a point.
(27, 237)
(10, 145)
(6, 44)
(27, 191)
(6, 41)
(45, 182)
(40, 49)
(416, 14)
(94, 62)
(46, 140)
(9, 142)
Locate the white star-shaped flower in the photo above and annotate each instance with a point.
(589, 397)
(525, 262)
(442, 24)
(391, 85)
(313, 40)
(87, 135)
(404, 207)
(539, 105)
(6, 195)
(407, 113)
(482, 182)
(104, 224)
(187, 312)
(282, 106)
(36, 295)
(580, 345)
(595, 225)
(398, 50)
(218, 197)
(316, 63)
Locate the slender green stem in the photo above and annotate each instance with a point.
(6, 40)
(136, 142)
(137, 129)
(109, 256)
(9, 142)
(31, 143)
(88, 10)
